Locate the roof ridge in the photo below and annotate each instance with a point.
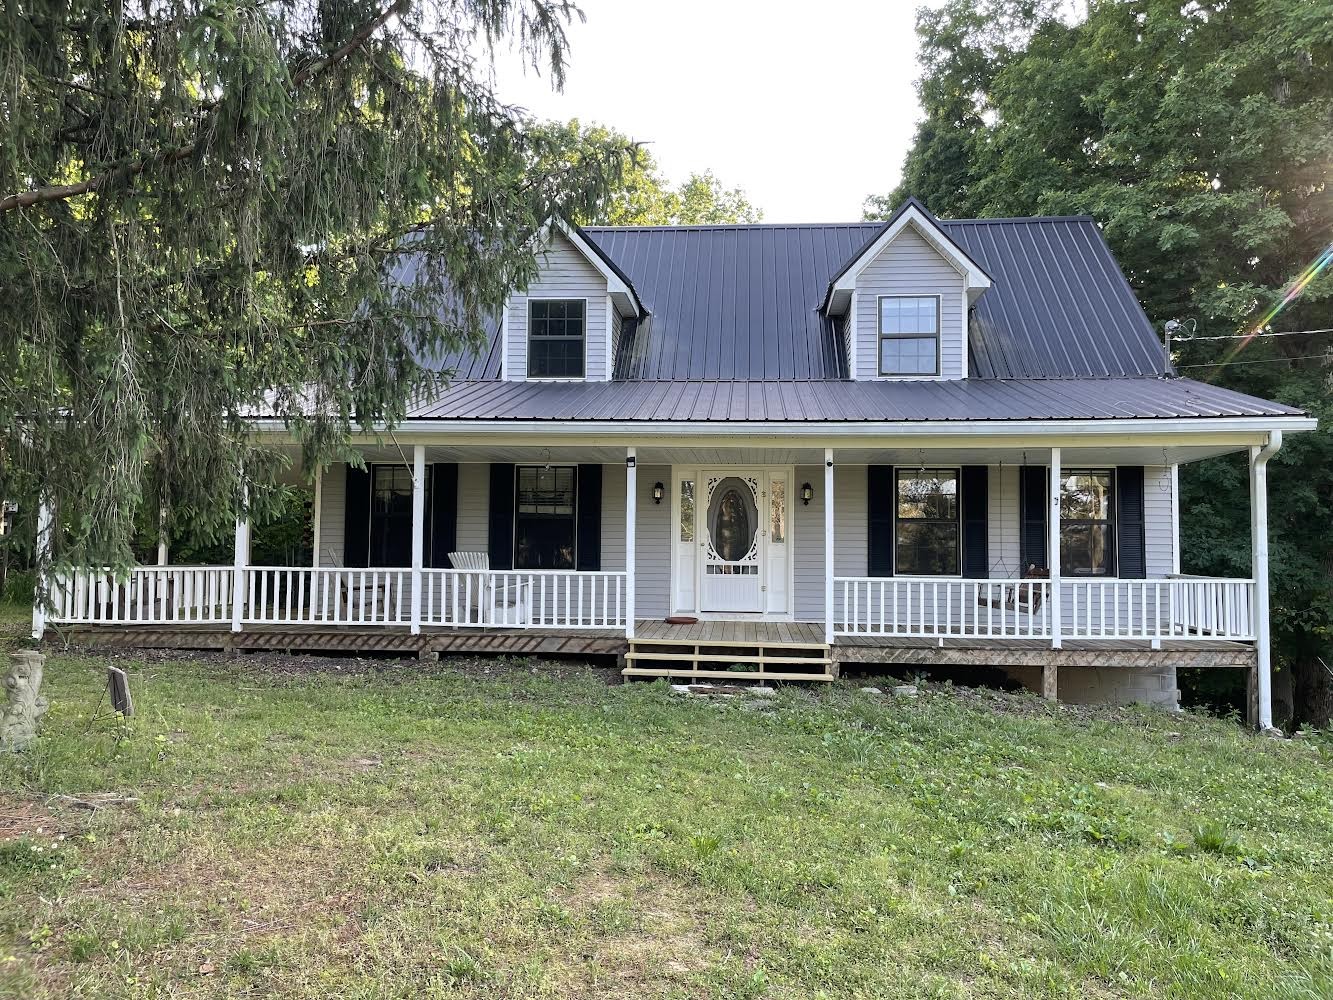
(872, 223)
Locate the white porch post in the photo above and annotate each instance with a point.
(317, 519)
(1259, 567)
(828, 546)
(631, 526)
(418, 530)
(1053, 545)
(240, 561)
(45, 547)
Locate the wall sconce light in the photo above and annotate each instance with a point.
(658, 490)
(807, 493)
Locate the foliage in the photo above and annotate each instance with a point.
(323, 828)
(1200, 137)
(642, 196)
(203, 214)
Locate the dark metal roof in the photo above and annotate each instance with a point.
(741, 302)
(783, 400)
(731, 302)
(1059, 305)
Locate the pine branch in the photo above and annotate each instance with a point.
(62, 192)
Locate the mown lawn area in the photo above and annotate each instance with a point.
(326, 829)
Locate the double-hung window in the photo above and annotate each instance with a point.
(1087, 523)
(391, 516)
(556, 338)
(909, 334)
(544, 531)
(927, 532)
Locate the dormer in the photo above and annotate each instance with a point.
(566, 325)
(904, 301)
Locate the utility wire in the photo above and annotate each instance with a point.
(1250, 336)
(1258, 361)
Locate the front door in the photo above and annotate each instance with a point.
(731, 548)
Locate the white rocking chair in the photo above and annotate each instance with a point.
(510, 604)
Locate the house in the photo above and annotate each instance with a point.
(921, 441)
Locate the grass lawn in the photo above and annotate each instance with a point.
(490, 830)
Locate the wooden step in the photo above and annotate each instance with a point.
(813, 661)
(727, 643)
(707, 659)
(731, 675)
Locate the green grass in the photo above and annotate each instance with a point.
(437, 833)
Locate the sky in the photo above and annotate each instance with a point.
(808, 107)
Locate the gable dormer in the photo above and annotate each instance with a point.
(904, 301)
(565, 326)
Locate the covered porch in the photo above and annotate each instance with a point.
(643, 531)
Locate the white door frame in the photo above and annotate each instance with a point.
(694, 566)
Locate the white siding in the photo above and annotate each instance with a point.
(1002, 523)
(332, 515)
(1157, 519)
(910, 266)
(565, 274)
(652, 563)
(474, 504)
(808, 546)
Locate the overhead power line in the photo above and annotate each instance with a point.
(1253, 336)
(1257, 361)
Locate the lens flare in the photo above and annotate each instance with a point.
(1289, 295)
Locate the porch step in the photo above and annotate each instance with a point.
(715, 659)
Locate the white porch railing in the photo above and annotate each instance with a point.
(926, 607)
(523, 598)
(302, 595)
(148, 595)
(1191, 608)
(1176, 608)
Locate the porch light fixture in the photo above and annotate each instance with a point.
(658, 490)
(807, 493)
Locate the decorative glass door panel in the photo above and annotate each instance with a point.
(731, 542)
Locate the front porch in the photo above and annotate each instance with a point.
(796, 561)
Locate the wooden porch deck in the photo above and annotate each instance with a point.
(867, 650)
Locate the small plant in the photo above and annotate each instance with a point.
(705, 845)
(463, 968)
(1214, 838)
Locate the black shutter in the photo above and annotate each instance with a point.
(1131, 539)
(879, 526)
(356, 518)
(975, 494)
(1032, 502)
(443, 513)
(500, 541)
(589, 506)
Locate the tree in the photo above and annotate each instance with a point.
(642, 196)
(1199, 137)
(203, 211)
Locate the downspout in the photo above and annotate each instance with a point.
(1259, 563)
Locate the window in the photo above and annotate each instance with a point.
(926, 539)
(544, 517)
(687, 510)
(555, 338)
(909, 335)
(1086, 520)
(777, 520)
(391, 516)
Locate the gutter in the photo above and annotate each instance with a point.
(1176, 427)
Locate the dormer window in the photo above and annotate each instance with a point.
(909, 334)
(556, 338)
